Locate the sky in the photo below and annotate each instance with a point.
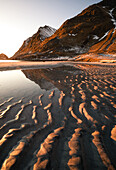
(20, 19)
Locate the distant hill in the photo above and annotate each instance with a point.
(93, 30)
(3, 57)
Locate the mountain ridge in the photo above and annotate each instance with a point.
(76, 35)
(36, 39)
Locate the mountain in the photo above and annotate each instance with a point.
(3, 57)
(108, 42)
(93, 30)
(30, 46)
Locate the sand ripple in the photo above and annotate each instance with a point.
(72, 126)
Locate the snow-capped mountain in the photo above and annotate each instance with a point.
(46, 31)
(93, 30)
(32, 43)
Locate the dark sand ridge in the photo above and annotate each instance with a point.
(71, 127)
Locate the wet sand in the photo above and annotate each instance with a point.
(28, 64)
(47, 64)
(70, 126)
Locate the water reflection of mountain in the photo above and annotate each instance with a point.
(37, 76)
(51, 78)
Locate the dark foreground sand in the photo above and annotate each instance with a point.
(73, 126)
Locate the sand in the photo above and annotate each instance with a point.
(41, 65)
(70, 126)
(27, 64)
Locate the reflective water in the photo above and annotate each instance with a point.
(15, 84)
(9, 61)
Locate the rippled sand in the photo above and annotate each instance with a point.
(71, 125)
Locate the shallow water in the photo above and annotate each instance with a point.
(9, 61)
(58, 118)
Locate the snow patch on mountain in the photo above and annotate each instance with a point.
(114, 23)
(95, 37)
(112, 17)
(27, 41)
(104, 36)
(77, 49)
(51, 52)
(46, 32)
(72, 35)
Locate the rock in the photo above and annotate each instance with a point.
(3, 57)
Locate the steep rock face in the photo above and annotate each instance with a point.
(3, 57)
(32, 43)
(107, 43)
(76, 35)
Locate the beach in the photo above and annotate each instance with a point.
(57, 115)
(13, 64)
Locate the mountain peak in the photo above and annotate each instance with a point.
(109, 3)
(46, 32)
(31, 44)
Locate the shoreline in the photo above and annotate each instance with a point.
(46, 64)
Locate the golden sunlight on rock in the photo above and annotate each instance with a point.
(113, 133)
